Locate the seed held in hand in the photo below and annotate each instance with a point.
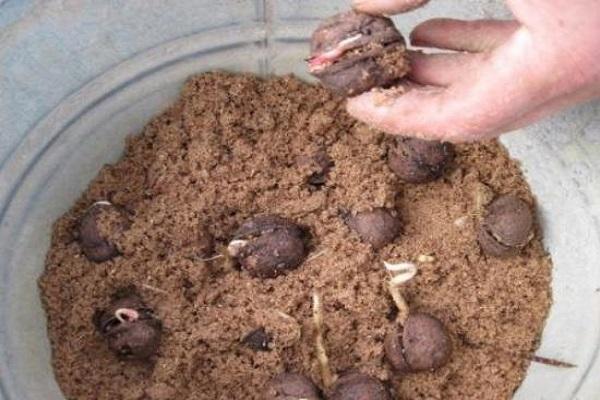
(377, 227)
(354, 52)
(358, 386)
(507, 227)
(419, 161)
(130, 328)
(291, 386)
(422, 345)
(268, 246)
(95, 244)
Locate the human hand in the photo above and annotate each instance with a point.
(502, 75)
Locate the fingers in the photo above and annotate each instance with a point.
(556, 13)
(471, 36)
(441, 69)
(509, 86)
(488, 93)
(387, 7)
(432, 114)
(550, 107)
(415, 112)
(474, 107)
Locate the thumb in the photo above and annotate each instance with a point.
(387, 7)
(415, 111)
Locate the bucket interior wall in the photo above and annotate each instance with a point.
(76, 78)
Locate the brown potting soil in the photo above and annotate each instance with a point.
(228, 150)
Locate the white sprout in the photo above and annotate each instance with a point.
(154, 289)
(212, 258)
(348, 41)
(102, 203)
(401, 273)
(126, 315)
(235, 246)
(326, 375)
(322, 60)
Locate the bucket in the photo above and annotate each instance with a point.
(77, 77)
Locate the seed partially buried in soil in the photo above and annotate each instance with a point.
(257, 340)
(422, 344)
(359, 386)
(96, 244)
(354, 52)
(268, 246)
(130, 327)
(378, 227)
(291, 386)
(507, 227)
(419, 161)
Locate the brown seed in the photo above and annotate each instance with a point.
(507, 227)
(354, 52)
(268, 246)
(419, 161)
(95, 242)
(422, 345)
(257, 340)
(377, 227)
(358, 386)
(290, 386)
(130, 328)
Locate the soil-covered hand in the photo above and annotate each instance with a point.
(500, 75)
